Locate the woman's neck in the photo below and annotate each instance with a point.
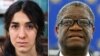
(31, 52)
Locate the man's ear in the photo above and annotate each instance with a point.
(93, 28)
(56, 30)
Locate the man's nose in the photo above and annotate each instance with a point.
(21, 33)
(75, 27)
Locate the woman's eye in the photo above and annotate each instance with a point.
(30, 26)
(14, 26)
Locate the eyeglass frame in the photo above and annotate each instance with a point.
(76, 21)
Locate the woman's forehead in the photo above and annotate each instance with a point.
(20, 17)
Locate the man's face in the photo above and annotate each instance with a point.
(77, 34)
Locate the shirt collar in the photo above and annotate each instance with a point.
(86, 55)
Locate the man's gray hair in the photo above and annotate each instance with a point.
(77, 4)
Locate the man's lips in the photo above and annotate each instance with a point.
(70, 35)
(75, 36)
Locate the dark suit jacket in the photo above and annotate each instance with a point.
(90, 52)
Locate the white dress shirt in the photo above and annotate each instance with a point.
(62, 54)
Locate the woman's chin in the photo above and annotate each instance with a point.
(23, 50)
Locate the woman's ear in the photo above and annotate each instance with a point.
(7, 34)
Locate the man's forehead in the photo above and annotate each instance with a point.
(85, 11)
(75, 12)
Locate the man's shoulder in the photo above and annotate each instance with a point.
(91, 53)
(53, 52)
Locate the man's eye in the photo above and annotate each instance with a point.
(84, 22)
(67, 22)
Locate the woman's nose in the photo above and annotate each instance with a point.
(21, 33)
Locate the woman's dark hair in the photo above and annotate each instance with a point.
(36, 16)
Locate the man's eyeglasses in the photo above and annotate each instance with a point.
(80, 22)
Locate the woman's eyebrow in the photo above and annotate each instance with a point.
(28, 23)
(14, 23)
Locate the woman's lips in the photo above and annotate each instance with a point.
(22, 44)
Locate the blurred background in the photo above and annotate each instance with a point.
(55, 6)
(4, 4)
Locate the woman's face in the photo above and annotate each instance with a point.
(22, 32)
